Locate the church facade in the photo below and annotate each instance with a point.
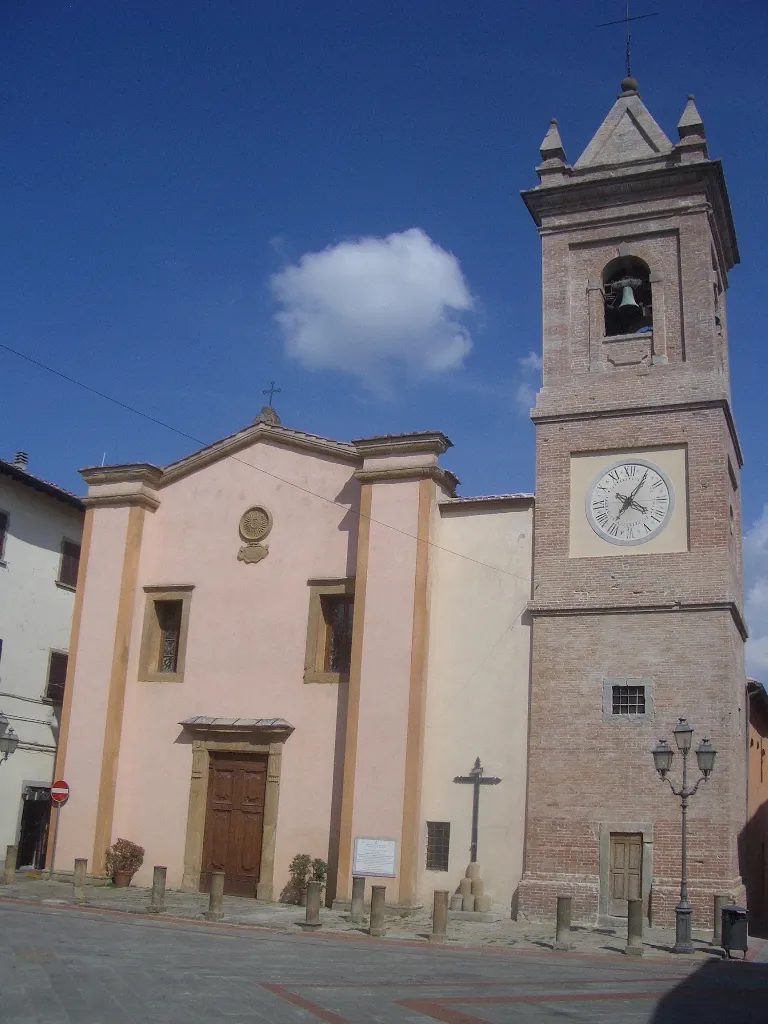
(287, 644)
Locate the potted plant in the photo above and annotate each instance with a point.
(124, 859)
(299, 869)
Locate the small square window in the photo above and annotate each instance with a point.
(70, 563)
(628, 700)
(438, 843)
(57, 676)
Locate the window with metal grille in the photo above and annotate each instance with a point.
(3, 533)
(337, 612)
(628, 700)
(70, 563)
(169, 623)
(57, 676)
(438, 843)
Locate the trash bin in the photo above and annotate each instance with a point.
(734, 929)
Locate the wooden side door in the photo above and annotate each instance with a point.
(626, 874)
(234, 821)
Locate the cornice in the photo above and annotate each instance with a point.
(487, 501)
(639, 184)
(203, 727)
(419, 442)
(649, 410)
(130, 472)
(144, 501)
(156, 588)
(444, 477)
(542, 609)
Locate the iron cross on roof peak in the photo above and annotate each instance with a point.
(272, 390)
(476, 779)
(625, 22)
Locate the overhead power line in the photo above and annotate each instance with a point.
(291, 483)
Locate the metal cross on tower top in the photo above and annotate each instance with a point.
(625, 22)
(271, 390)
(476, 780)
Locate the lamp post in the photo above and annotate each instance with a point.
(8, 739)
(662, 759)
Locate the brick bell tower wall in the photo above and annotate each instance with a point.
(665, 614)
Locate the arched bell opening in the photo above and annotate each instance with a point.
(628, 302)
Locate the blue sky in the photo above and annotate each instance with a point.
(164, 162)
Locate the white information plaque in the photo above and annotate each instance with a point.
(374, 856)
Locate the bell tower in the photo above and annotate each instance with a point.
(637, 606)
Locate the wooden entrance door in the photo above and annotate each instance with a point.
(234, 821)
(626, 880)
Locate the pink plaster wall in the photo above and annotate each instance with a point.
(245, 650)
(91, 686)
(386, 664)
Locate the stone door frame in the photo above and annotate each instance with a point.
(204, 743)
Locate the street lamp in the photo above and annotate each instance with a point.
(662, 760)
(8, 738)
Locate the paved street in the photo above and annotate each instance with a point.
(63, 966)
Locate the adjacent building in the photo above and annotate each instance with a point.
(40, 532)
(754, 841)
(286, 643)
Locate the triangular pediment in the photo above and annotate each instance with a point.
(257, 433)
(155, 477)
(627, 134)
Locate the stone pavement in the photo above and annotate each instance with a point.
(501, 933)
(60, 965)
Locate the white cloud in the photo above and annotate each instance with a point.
(756, 596)
(375, 306)
(529, 378)
(531, 363)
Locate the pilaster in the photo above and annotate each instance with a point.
(385, 722)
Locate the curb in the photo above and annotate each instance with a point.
(446, 946)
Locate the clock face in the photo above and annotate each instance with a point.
(630, 502)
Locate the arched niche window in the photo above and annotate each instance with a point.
(628, 304)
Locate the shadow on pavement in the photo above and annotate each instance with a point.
(723, 992)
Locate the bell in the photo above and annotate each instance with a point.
(627, 297)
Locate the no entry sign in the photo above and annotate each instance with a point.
(60, 791)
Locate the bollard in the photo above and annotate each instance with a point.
(634, 928)
(720, 900)
(376, 927)
(78, 879)
(157, 906)
(214, 912)
(312, 918)
(563, 928)
(358, 899)
(9, 872)
(440, 916)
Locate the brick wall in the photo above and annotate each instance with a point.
(672, 618)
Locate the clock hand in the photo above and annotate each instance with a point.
(629, 500)
(642, 481)
(632, 504)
